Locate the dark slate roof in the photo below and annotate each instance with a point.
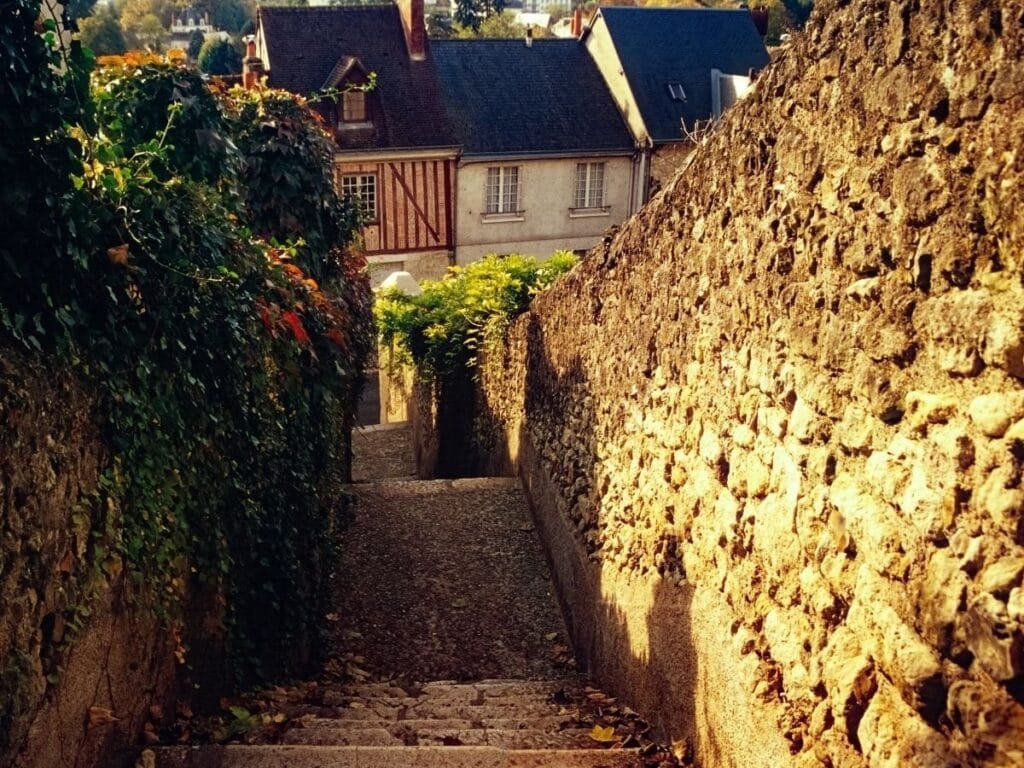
(305, 45)
(506, 99)
(658, 46)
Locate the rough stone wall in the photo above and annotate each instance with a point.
(774, 431)
(666, 161)
(395, 384)
(53, 673)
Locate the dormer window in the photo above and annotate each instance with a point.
(676, 91)
(348, 80)
(353, 106)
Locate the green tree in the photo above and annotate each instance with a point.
(79, 9)
(472, 13)
(195, 44)
(498, 25)
(145, 22)
(101, 33)
(220, 57)
(440, 26)
(230, 15)
(466, 14)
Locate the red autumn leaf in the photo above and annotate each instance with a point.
(294, 323)
(337, 337)
(265, 318)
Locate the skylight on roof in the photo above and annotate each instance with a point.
(676, 91)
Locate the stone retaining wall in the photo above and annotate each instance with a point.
(774, 431)
(70, 696)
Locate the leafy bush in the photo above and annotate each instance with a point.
(144, 250)
(102, 33)
(220, 57)
(442, 328)
(195, 44)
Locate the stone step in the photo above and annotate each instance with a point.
(432, 709)
(514, 722)
(402, 735)
(295, 756)
(400, 486)
(489, 690)
(453, 698)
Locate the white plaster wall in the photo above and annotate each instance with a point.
(430, 265)
(602, 50)
(546, 189)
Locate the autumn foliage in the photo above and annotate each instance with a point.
(182, 250)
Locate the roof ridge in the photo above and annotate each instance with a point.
(654, 8)
(480, 40)
(322, 8)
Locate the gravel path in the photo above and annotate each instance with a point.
(382, 451)
(444, 579)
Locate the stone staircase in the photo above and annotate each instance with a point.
(440, 581)
(486, 724)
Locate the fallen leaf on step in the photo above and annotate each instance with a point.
(603, 734)
(460, 603)
(681, 749)
(551, 636)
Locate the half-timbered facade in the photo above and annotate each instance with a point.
(397, 155)
(407, 202)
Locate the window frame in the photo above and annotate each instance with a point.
(347, 97)
(590, 190)
(356, 191)
(503, 193)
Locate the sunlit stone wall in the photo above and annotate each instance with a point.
(774, 431)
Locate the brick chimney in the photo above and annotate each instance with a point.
(576, 27)
(415, 27)
(252, 65)
(760, 17)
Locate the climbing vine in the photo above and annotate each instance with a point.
(182, 249)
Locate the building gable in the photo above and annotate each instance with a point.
(668, 54)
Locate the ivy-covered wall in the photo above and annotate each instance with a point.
(69, 640)
(176, 260)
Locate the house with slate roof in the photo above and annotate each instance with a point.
(397, 153)
(547, 160)
(671, 69)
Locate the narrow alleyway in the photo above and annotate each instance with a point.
(448, 647)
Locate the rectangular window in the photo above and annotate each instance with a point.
(362, 188)
(353, 107)
(589, 185)
(503, 190)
